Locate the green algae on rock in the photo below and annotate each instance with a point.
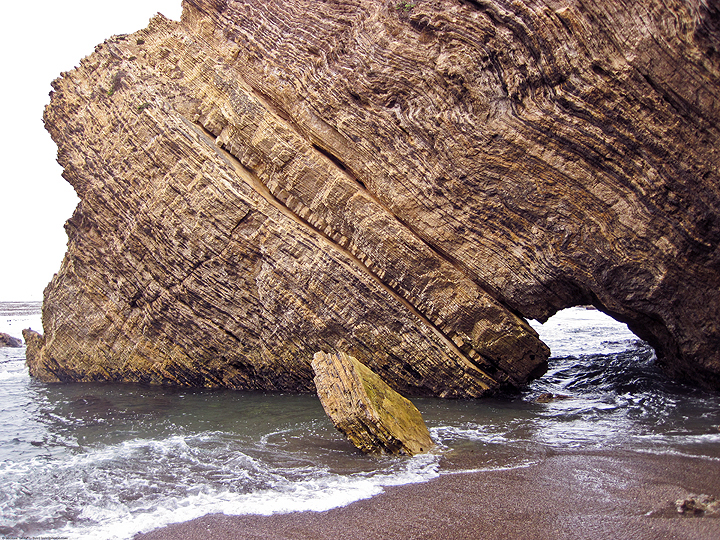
(365, 409)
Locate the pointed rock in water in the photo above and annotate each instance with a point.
(6, 340)
(363, 407)
(262, 180)
(35, 342)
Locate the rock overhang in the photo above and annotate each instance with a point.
(268, 179)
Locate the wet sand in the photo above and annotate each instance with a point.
(590, 496)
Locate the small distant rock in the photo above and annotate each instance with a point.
(363, 407)
(698, 504)
(6, 340)
(548, 397)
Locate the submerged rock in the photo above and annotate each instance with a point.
(548, 397)
(6, 340)
(261, 180)
(363, 407)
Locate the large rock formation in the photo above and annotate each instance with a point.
(363, 407)
(403, 181)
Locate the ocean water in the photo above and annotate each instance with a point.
(109, 461)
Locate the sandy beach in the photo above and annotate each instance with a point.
(590, 496)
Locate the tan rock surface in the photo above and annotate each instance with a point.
(265, 179)
(366, 410)
(34, 341)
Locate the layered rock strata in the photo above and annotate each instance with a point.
(403, 181)
(34, 341)
(367, 411)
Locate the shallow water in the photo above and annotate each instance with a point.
(108, 461)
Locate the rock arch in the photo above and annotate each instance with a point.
(404, 185)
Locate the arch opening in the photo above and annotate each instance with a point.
(592, 354)
(585, 330)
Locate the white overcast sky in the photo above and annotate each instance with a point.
(38, 41)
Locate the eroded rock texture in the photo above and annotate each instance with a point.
(403, 182)
(366, 410)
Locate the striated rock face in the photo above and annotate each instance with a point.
(366, 410)
(34, 342)
(404, 182)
